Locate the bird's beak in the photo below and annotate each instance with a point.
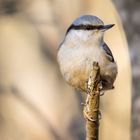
(106, 27)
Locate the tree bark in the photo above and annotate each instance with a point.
(91, 109)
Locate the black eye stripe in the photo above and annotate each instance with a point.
(84, 27)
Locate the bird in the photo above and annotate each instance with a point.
(82, 45)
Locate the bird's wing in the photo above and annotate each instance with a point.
(108, 52)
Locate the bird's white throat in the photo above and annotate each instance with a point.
(85, 37)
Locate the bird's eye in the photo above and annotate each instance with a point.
(100, 27)
(88, 27)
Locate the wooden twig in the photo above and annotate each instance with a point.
(91, 108)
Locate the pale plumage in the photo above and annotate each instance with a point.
(82, 45)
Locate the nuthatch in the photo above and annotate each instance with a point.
(84, 44)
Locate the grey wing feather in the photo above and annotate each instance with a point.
(108, 52)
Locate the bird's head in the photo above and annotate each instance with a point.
(88, 27)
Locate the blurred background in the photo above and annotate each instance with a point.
(35, 101)
(129, 12)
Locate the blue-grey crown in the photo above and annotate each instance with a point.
(88, 20)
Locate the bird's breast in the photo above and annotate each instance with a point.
(76, 63)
